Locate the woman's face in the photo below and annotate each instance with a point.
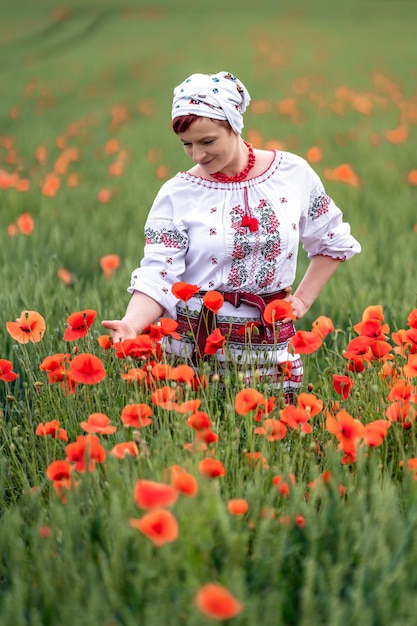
(209, 144)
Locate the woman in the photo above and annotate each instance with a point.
(232, 223)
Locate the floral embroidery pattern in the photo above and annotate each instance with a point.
(265, 247)
(319, 207)
(168, 238)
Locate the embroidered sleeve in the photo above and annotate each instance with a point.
(322, 229)
(163, 263)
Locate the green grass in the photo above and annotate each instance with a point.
(65, 68)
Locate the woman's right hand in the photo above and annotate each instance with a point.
(120, 330)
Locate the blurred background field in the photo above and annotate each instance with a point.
(339, 76)
(85, 143)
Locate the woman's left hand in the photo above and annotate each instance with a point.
(300, 308)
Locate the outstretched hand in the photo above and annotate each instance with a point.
(120, 330)
(299, 307)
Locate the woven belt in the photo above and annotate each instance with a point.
(206, 319)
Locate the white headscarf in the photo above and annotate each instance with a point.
(220, 96)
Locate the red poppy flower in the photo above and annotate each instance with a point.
(85, 453)
(211, 468)
(139, 348)
(136, 415)
(213, 300)
(371, 328)
(283, 485)
(134, 375)
(294, 416)
(58, 470)
(154, 331)
(356, 363)
(183, 481)
(53, 429)
(216, 602)
(380, 349)
(323, 326)
(411, 466)
(30, 326)
(189, 406)
(105, 342)
(125, 448)
(272, 429)
(165, 398)
(375, 432)
(265, 410)
(410, 368)
(256, 459)
(248, 400)
(402, 412)
(159, 526)
(182, 374)
(109, 263)
(184, 291)
(214, 342)
(25, 223)
(166, 327)
(402, 390)
(161, 371)
(65, 276)
(98, 423)
(314, 154)
(373, 312)
(199, 421)
(149, 494)
(87, 369)
(187, 484)
(55, 361)
(310, 403)
(6, 373)
(300, 521)
(343, 173)
(278, 310)
(285, 369)
(412, 319)
(348, 431)
(206, 435)
(78, 324)
(237, 506)
(57, 366)
(342, 385)
(305, 342)
(406, 341)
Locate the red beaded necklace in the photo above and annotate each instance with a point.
(237, 178)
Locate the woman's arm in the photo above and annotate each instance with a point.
(141, 311)
(318, 273)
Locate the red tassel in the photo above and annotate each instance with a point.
(251, 222)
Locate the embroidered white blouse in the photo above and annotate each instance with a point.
(194, 232)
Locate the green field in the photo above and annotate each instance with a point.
(85, 92)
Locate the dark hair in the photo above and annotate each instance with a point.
(182, 123)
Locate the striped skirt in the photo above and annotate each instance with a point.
(254, 354)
